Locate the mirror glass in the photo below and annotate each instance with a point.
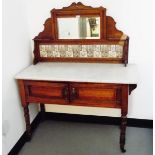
(79, 27)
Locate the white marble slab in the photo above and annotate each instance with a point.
(81, 72)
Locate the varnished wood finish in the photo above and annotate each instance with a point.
(124, 111)
(112, 32)
(132, 87)
(84, 60)
(82, 10)
(43, 91)
(123, 133)
(25, 107)
(42, 107)
(109, 34)
(42, 110)
(125, 49)
(99, 95)
(22, 92)
(75, 93)
(27, 121)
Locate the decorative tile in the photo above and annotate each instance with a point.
(83, 54)
(97, 54)
(56, 54)
(82, 51)
(69, 53)
(90, 54)
(76, 54)
(112, 54)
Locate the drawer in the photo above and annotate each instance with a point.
(47, 92)
(101, 95)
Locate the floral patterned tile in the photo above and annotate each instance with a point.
(82, 51)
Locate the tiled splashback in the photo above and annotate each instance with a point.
(81, 51)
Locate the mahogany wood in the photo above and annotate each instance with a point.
(109, 34)
(132, 87)
(75, 93)
(125, 49)
(82, 10)
(25, 104)
(84, 60)
(42, 111)
(124, 110)
(123, 133)
(27, 121)
(22, 92)
(100, 95)
(45, 92)
(112, 32)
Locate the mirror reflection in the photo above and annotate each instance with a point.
(79, 27)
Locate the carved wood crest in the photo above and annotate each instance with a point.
(112, 33)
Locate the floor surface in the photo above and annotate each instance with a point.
(74, 138)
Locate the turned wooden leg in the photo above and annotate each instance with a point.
(123, 131)
(124, 111)
(42, 110)
(27, 121)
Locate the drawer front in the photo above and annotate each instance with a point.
(102, 95)
(47, 92)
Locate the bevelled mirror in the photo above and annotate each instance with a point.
(79, 27)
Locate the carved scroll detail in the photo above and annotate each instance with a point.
(132, 87)
(75, 6)
(47, 33)
(112, 31)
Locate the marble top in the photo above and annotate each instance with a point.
(81, 72)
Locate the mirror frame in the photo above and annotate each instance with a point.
(79, 9)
